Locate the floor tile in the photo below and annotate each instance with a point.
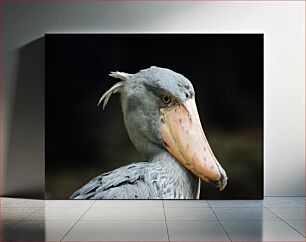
(244, 214)
(118, 231)
(70, 203)
(131, 213)
(189, 214)
(298, 225)
(300, 200)
(281, 202)
(57, 214)
(235, 203)
(261, 231)
(9, 213)
(196, 231)
(55, 230)
(189, 220)
(128, 204)
(21, 203)
(289, 213)
(185, 204)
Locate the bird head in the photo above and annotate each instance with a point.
(160, 113)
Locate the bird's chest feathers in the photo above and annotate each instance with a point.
(175, 182)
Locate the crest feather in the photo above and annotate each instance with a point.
(114, 89)
(120, 75)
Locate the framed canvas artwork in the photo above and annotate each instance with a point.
(154, 116)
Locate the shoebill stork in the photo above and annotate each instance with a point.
(162, 121)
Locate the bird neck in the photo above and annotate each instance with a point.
(185, 184)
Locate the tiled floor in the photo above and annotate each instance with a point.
(274, 219)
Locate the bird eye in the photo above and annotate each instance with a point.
(166, 99)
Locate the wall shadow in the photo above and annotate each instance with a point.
(25, 160)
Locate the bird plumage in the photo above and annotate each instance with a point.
(162, 178)
(158, 129)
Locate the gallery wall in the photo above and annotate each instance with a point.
(24, 25)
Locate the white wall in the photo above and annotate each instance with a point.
(283, 25)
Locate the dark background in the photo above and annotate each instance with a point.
(83, 141)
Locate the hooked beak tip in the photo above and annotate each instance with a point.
(223, 179)
(222, 183)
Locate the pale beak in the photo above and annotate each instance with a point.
(184, 138)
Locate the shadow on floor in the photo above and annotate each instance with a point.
(30, 230)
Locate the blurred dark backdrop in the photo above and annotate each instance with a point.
(83, 141)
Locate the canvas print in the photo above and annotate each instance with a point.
(154, 116)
